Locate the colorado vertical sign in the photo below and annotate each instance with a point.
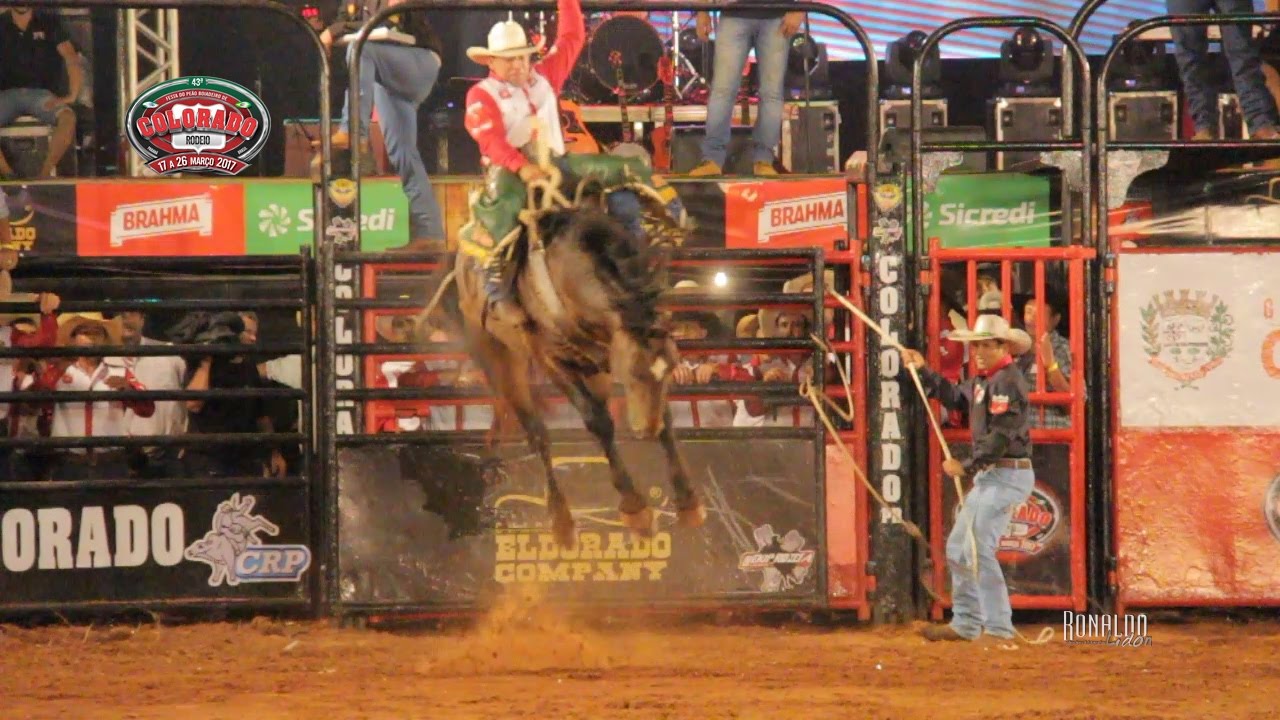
(887, 456)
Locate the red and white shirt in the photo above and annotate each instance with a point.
(500, 115)
(103, 418)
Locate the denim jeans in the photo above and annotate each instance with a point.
(397, 79)
(983, 604)
(735, 37)
(1191, 48)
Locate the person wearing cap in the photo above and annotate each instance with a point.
(505, 114)
(98, 418)
(397, 78)
(997, 403)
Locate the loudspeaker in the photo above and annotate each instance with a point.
(447, 147)
(299, 133)
(895, 145)
(686, 150)
(811, 139)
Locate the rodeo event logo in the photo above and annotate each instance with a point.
(198, 124)
(782, 561)
(1032, 527)
(1186, 337)
(1271, 507)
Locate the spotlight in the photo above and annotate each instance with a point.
(807, 55)
(721, 280)
(900, 55)
(1026, 65)
(1140, 65)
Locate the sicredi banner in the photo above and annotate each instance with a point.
(990, 209)
(280, 216)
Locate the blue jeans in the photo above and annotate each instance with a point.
(735, 37)
(16, 102)
(983, 604)
(1191, 48)
(398, 79)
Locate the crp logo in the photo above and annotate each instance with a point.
(236, 554)
(955, 214)
(800, 214)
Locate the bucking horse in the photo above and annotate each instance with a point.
(589, 289)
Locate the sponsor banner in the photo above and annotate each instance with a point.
(142, 544)
(990, 209)
(438, 525)
(42, 217)
(1199, 340)
(160, 218)
(1198, 516)
(787, 213)
(280, 216)
(1035, 550)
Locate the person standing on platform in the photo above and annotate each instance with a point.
(397, 77)
(769, 33)
(1191, 48)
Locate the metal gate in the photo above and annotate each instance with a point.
(1043, 553)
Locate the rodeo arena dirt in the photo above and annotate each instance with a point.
(666, 395)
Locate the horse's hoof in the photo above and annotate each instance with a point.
(641, 523)
(692, 516)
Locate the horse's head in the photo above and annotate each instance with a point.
(647, 378)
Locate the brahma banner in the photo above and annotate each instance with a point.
(160, 218)
(792, 213)
(1197, 473)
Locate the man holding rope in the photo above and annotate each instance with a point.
(998, 406)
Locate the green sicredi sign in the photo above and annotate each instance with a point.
(280, 216)
(990, 210)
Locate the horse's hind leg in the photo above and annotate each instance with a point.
(590, 398)
(690, 510)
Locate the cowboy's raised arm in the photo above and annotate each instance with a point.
(571, 36)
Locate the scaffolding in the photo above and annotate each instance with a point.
(147, 54)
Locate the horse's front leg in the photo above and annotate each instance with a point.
(509, 382)
(691, 512)
(590, 397)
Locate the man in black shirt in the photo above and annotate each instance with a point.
(397, 77)
(998, 407)
(31, 44)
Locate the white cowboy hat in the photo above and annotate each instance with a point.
(506, 40)
(993, 327)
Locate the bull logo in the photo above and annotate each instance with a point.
(235, 553)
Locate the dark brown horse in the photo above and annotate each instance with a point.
(589, 290)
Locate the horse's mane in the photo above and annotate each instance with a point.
(633, 274)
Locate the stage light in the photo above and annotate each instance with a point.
(1026, 65)
(721, 280)
(807, 76)
(900, 55)
(1139, 66)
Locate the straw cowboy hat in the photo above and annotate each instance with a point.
(69, 324)
(802, 284)
(395, 328)
(748, 326)
(506, 40)
(993, 327)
